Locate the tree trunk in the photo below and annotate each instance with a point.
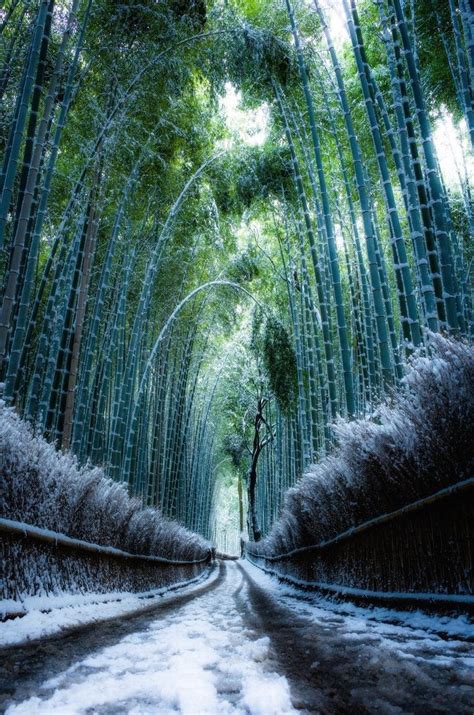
(254, 529)
(241, 514)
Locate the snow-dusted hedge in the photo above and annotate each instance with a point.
(419, 444)
(46, 488)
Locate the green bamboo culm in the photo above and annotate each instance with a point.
(328, 223)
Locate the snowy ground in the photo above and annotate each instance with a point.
(370, 660)
(400, 627)
(46, 616)
(200, 658)
(249, 645)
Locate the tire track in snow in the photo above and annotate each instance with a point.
(311, 693)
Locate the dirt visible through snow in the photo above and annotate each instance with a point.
(244, 644)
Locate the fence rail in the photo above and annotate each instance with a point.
(39, 561)
(33, 532)
(423, 552)
(226, 557)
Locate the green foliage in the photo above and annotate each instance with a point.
(272, 347)
(255, 56)
(192, 12)
(279, 359)
(432, 17)
(244, 267)
(257, 332)
(251, 176)
(267, 172)
(144, 116)
(234, 446)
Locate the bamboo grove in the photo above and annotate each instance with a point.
(179, 304)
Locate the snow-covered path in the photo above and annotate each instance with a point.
(246, 644)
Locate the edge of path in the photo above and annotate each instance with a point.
(182, 593)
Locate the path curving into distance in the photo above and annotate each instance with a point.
(242, 644)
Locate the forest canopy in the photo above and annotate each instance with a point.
(224, 225)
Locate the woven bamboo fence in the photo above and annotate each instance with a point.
(38, 562)
(423, 553)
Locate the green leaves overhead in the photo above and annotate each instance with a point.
(150, 20)
(253, 175)
(244, 267)
(433, 19)
(191, 12)
(234, 446)
(266, 173)
(273, 348)
(339, 223)
(253, 57)
(279, 359)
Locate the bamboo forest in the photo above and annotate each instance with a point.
(236, 357)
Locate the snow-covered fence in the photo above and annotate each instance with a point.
(389, 513)
(65, 528)
(39, 561)
(225, 557)
(422, 552)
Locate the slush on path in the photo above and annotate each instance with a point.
(243, 644)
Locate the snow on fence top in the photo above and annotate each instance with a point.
(33, 532)
(418, 445)
(465, 485)
(48, 489)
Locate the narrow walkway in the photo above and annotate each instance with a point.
(247, 645)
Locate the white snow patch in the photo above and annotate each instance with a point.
(202, 658)
(199, 659)
(440, 639)
(49, 615)
(267, 696)
(257, 650)
(386, 620)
